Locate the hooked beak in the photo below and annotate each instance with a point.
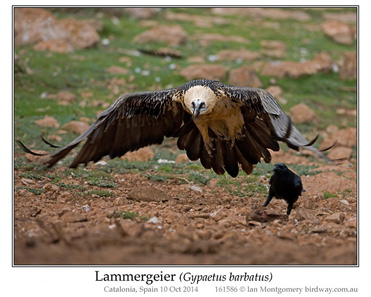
(197, 105)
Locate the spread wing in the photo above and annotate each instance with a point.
(265, 118)
(131, 122)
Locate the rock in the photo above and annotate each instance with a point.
(288, 157)
(275, 53)
(207, 38)
(232, 220)
(24, 32)
(217, 72)
(143, 154)
(305, 214)
(47, 121)
(351, 223)
(196, 59)
(38, 25)
(302, 113)
(117, 70)
(273, 48)
(345, 17)
(37, 159)
(350, 112)
(154, 220)
(232, 55)
(272, 13)
(50, 188)
(332, 129)
(141, 12)
(344, 201)
(276, 92)
(320, 63)
(273, 44)
(337, 218)
(348, 66)
(195, 188)
(147, 193)
(344, 137)
(203, 21)
(58, 46)
(244, 77)
(340, 153)
(24, 192)
(172, 35)
(339, 32)
(330, 182)
(76, 127)
(264, 215)
(72, 217)
(65, 97)
(182, 158)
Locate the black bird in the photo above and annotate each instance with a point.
(286, 185)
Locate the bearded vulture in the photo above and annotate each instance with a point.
(221, 125)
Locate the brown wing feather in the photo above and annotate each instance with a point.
(261, 104)
(131, 122)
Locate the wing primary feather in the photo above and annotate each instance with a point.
(27, 150)
(289, 126)
(205, 158)
(48, 143)
(245, 165)
(194, 147)
(230, 159)
(218, 158)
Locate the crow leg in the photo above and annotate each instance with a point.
(269, 198)
(289, 208)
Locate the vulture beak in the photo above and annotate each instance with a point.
(196, 107)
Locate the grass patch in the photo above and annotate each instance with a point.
(327, 195)
(129, 215)
(71, 187)
(31, 175)
(32, 190)
(242, 187)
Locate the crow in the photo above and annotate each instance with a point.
(286, 185)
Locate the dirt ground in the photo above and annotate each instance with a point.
(183, 223)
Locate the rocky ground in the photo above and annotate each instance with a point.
(176, 222)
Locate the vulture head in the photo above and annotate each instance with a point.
(199, 100)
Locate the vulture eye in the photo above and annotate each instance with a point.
(193, 105)
(202, 105)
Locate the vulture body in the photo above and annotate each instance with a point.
(223, 126)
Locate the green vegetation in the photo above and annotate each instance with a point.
(327, 195)
(130, 215)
